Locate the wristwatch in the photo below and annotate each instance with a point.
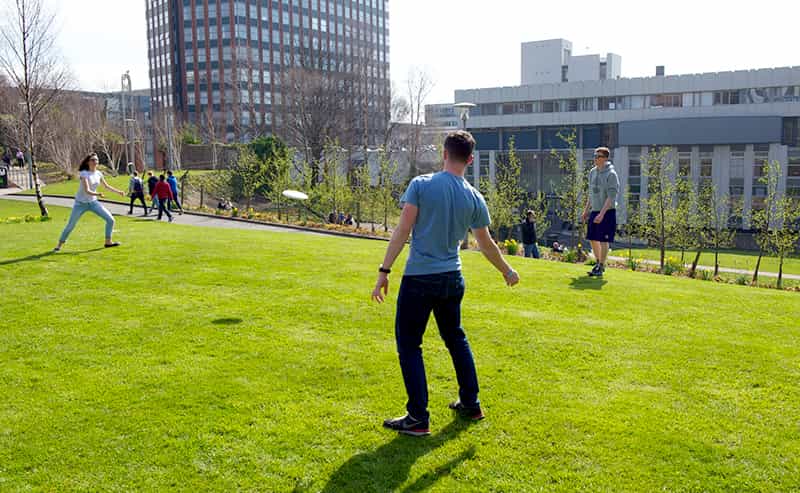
(385, 271)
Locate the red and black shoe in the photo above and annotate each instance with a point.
(408, 425)
(473, 413)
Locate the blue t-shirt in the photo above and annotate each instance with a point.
(448, 207)
(173, 184)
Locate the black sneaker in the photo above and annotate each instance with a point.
(601, 270)
(466, 412)
(595, 271)
(408, 426)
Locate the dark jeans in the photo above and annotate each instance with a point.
(162, 208)
(531, 251)
(442, 295)
(140, 196)
(175, 201)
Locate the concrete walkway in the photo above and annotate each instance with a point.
(214, 222)
(188, 219)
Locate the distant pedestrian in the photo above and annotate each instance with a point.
(20, 158)
(136, 191)
(164, 193)
(332, 218)
(601, 208)
(348, 220)
(173, 185)
(151, 188)
(86, 200)
(7, 158)
(529, 236)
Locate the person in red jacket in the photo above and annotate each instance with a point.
(163, 192)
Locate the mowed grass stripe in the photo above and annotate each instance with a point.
(236, 360)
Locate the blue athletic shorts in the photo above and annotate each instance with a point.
(603, 232)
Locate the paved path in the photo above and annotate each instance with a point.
(724, 270)
(213, 222)
(189, 219)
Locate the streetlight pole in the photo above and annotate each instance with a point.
(464, 108)
(127, 92)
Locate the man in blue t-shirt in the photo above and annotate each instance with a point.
(439, 209)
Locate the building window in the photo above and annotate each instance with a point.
(666, 101)
(726, 97)
(759, 171)
(634, 177)
(706, 165)
(793, 179)
(736, 189)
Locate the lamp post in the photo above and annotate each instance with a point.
(464, 109)
(125, 93)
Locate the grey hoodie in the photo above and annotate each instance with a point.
(603, 185)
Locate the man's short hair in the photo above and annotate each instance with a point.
(460, 145)
(529, 213)
(605, 151)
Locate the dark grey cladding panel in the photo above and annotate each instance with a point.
(688, 131)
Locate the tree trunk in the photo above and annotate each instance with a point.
(35, 173)
(716, 262)
(780, 274)
(694, 264)
(758, 266)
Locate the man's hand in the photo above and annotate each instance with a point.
(599, 218)
(121, 193)
(585, 216)
(381, 288)
(512, 278)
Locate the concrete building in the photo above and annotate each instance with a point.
(223, 59)
(442, 116)
(721, 127)
(552, 62)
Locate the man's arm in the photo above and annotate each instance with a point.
(408, 218)
(492, 253)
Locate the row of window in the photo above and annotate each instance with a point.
(789, 94)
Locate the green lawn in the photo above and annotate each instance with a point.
(228, 360)
(733, 259)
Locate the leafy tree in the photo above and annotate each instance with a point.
(362, 191)
(765, 217)
(716, 213)
(787, 232)
(387, 187)
(504, 196)
(572, 190)
(334, 191)
(247, 174)
(269, 147)
(538, 206)
(278, 179)
(189, 135)
(632, 225)
(661, 212)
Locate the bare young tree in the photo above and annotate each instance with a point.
(29, 59)
(314, 110)
(419, 86)
(399, 114)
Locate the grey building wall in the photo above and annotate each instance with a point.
(702, 131)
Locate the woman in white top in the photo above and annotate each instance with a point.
(86, 200)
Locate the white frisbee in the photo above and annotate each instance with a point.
(294, 194)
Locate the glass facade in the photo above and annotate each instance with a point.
(228, 57)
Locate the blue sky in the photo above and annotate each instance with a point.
(475, 43)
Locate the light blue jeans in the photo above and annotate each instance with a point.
(81, 208)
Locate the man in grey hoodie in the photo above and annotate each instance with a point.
(601, 208)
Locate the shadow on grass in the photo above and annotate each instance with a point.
(227, 321)
(39, 256)
(388, 466)
(587, 283)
